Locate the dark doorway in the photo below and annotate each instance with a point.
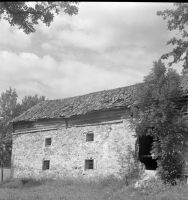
(145, 145)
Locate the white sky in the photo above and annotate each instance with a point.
(107, 45)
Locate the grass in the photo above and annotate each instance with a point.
(108, 188)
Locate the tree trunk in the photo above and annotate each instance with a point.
(2, 171)
(1, 166)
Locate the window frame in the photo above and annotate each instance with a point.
(47, 141)
(89, 137)
(89, 164)
(46, 165)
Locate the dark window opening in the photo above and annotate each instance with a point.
(89, 137)
(145, 146)
(89, 164)
(46, 165)
(48, 141)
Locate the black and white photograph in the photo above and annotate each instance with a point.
(93, 100)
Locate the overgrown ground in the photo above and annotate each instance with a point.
(103, 189)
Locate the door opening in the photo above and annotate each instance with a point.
(145, 145)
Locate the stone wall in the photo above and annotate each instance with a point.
(69, 150)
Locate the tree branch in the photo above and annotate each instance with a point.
(25, 12)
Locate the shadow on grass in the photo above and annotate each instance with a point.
(98, 183)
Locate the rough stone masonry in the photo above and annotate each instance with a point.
(69, 151)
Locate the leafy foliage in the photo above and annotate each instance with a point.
(8, 106)
(26, 14)
(9, 109)
(177, 20)
(30, 101)
(156, 113)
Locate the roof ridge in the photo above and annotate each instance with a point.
(92, 93)
(78, 105)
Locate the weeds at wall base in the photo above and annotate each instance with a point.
(81, 189)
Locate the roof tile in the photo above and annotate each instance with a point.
(79, 105)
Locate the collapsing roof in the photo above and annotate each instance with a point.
(79, 105)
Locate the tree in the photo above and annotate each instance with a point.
(30, 101)
(8, 110)
(177, 20)
(157, 113)
(26, 14)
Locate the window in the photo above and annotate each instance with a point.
(89, 164)
(46, 165)
(48, 141)
(89, 137)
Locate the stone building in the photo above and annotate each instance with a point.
(86, 135)
(78, 136)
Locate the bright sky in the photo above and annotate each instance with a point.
(107, 45)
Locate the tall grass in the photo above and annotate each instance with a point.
(109, 188)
